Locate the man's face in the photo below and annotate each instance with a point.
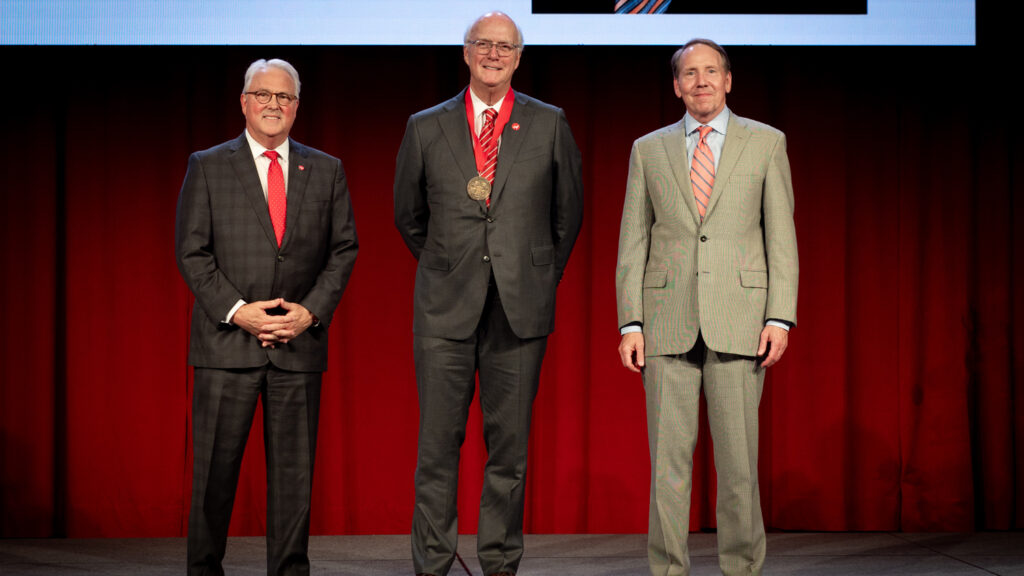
(269, 123)
(702, 82)
(491, 72)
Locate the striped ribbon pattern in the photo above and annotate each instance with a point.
(641, 6)
(702, 172)
(490, 145)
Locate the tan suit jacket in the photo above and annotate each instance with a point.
(721, 278)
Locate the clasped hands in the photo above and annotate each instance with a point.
(272, 330)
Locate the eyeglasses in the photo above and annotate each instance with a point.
(283, 98)
(484, 47)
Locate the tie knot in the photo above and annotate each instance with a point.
(272, 154)
(704, 131)
(491, 114)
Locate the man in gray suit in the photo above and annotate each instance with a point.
(707, 286)
(266, 242)
(491, 242)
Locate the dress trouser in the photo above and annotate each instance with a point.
(732, 387)
(223, 405)
(509, 369)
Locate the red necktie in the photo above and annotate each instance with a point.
(702, 172)
(489, 143)
(276, 200)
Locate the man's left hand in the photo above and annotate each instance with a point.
(297, 320)
(778, 338)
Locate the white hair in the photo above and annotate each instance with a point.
(261, 65)
(519, 31)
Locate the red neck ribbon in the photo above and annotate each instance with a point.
(499, 125)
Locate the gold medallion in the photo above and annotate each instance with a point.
(478, 188)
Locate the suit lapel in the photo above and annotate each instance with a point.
(299, 168)
(674, 140)
(245, 171)
(736, 138)
(511, 142)
(456, 131)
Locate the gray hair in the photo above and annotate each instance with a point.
(519, 31)
(678, 56)
(261, 65)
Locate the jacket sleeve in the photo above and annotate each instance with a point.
(780, 237)
(322, 299)
(411, 210)
(567, 209)
(193, 245)
(634, 243)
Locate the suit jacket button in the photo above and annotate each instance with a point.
(703, 238)
(487, 258)
(280, 258)
(489, 219)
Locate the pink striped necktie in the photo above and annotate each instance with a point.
(489, 142)
(702, 172)
(276, 200)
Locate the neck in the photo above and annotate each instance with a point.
(489, 95)
(704, 119)
(271, 144)
(267, 142)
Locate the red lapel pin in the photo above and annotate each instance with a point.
(515, 126)
(301, 167)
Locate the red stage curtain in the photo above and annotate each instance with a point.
(899, 405)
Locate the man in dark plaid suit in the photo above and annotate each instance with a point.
(266, 284)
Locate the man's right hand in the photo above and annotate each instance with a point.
(631, 351)
(252, 317)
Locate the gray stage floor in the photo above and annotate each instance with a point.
(845, 554)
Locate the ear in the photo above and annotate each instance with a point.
(728, 82)
(679, 91)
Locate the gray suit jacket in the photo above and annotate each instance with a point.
(526, 236)
(226, 251)
(724, 277)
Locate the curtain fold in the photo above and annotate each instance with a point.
(899, 405)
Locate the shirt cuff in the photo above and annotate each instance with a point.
(778, 324)
(231, 313)
(630, 328)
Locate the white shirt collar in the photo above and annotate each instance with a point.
(479, 105)
(719, 123)
(258, 149)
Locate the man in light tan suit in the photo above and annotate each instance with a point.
(706, 285)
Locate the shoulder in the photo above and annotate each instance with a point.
(755, 127)
(223, 150)
(535, 104)
(311, 153)
(530, 106)
(449, 106)
(674, 130)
